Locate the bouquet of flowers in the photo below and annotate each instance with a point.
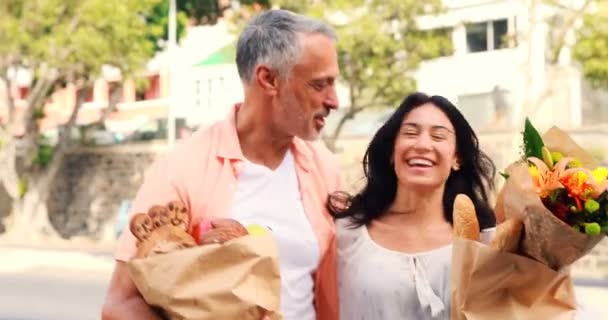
(558, 191)
(576, 195)
(551, 211)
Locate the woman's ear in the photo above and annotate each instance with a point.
(456, 165)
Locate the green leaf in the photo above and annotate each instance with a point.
(22, 187)
(533, 143)
(504, 175)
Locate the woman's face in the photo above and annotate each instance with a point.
(425, 148)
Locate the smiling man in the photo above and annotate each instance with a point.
(261, 165)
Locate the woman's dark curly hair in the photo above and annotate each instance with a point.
(475, 177)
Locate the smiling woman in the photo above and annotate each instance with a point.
(416, 164)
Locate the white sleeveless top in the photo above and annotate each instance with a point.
(376, 283)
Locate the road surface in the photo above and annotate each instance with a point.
(52, 295)
(46, 285)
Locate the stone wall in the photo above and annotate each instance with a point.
(5, 206)
(92, 184)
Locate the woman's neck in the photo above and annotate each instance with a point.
(415, 207)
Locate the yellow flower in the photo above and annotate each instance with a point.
(580, 177)
(600, 174)
(581, 183)
(533, 172)
(575, 163)
(556, 156)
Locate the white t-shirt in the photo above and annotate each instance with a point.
(272, 198)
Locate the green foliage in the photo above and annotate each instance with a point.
(45, 152)
(22, 187)
(63, 41)
(158, 21)
(209, 11)
(533, 142)
(380, 45)
(77, 37)
(39, 113)
(591, 49)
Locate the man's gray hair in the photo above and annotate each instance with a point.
(272, 38)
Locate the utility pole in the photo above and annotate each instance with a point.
(172, 76)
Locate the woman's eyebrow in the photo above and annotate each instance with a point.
(434, 127)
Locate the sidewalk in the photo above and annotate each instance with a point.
(20, 259)
(15, 259)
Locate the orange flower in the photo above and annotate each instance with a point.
(547, 180)
(583, 185)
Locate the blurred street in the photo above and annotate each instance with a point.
(37, 284)
(56, 285)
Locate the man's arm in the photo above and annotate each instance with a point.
(123, 300)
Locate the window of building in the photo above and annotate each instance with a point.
(477, 37)
(205, 89)
(488, 35)
(487, 109)
(115, 92)
(88, 94)
(22, 92)
(150, 91)
(500, 29)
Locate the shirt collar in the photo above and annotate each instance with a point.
(230, 148)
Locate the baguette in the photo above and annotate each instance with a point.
(499, 209)
(465, 221)
(508, 236)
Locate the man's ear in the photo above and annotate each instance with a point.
(267, 79)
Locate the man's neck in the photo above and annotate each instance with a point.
(260, 142)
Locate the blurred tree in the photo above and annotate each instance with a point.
(158, 20)
(209, 11)
(59, 42)
(591, 49)
(563, 25)
(380, 47)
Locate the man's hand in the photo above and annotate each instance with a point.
(222, 230)
(123, 301)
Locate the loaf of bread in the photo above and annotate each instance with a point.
(465, 221)
(165, 239)
(162, 229)
(223, 230)
(508, 236)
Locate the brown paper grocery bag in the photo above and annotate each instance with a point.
(489, 284)
(235, 280)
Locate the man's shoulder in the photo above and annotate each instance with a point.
(319, 152)
(205, 137)
(195, 148)
(325, 162)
